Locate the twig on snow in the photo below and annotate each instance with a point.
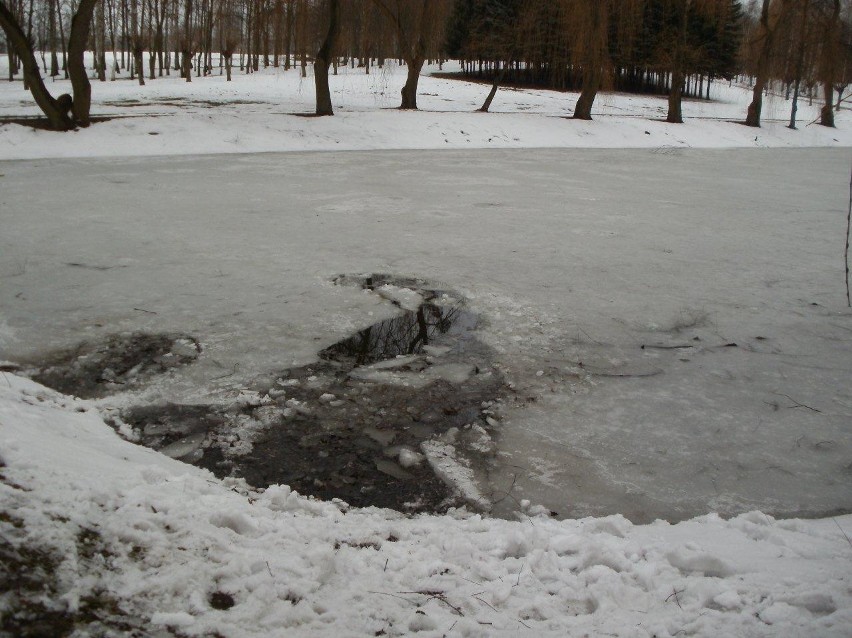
(487, 604)
(674, 594)
(385, 593)
(842, 532)
(437, 595)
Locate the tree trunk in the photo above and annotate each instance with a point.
(675, 114)
(61, 42)
(323, 59)
(16, 37)
(800, 62)
(764, 59)
(826, 114)
(54, 59)
(498, 78)
(409, 91)
(77, 39)
(288, 34)
(100, 39)
(829, 63)
(186, 56)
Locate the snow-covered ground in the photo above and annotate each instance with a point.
(612, 285)
(143, 542)
(260, 113)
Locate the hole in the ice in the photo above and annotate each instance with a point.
(121, 361)
(352, 426)
(407, 334)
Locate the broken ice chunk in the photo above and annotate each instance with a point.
(405, 298)
(187, 448)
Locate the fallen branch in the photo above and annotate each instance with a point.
(602, 373)
(797, 403)
(649, 346)
(846, 253)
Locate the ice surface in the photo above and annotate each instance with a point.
(590, 255)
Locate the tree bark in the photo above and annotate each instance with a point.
(323, 59)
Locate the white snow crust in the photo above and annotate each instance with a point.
(296, 567)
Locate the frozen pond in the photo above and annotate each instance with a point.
(671, 324)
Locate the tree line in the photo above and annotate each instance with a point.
(671, 47)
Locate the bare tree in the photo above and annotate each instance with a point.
(828, 66)
(323, 59)
(417, 23)
(590, 51)
(55, 110)
(772, 16)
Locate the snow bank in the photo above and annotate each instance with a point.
(264, 112)
(180, 550)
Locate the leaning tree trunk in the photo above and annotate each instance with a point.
(498, 78)
(595, 55)
(323, 59)
(413, 49)
(591, 85)
(77, 39)
(15, 36)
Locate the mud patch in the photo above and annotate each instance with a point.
(34, 605)
(122, 362)
(400, 414)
